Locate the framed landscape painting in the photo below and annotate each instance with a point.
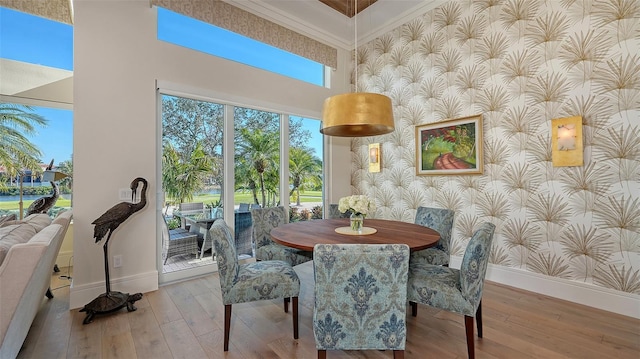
(452, 147)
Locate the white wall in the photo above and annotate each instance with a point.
(117, 63)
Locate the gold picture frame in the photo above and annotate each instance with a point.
(375, 156)
(451, 147)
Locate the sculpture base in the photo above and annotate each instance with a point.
(108, 303)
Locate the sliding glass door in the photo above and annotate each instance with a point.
(220, 160)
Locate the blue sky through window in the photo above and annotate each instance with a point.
(36, 40)
(194, 34)
(32, 39)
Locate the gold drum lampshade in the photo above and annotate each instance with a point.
(357, 114)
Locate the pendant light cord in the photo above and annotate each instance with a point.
(355, 27)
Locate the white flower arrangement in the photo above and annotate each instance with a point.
(357, 204)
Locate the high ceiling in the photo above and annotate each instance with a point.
(329, 21)
(320, 20)
(348, 7)
(323, 20)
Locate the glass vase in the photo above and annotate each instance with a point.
(357, 221)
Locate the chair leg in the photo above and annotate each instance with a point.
(49, 293)
(398, 354)
(414, 309)
(479, 319)
(227, 325)
(322, 354)
(468, 325)
(286, 304)
(295, 317)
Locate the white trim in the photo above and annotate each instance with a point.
(228, 166)
(284, 161)
(173, 89)
(582, 293)
(382, 24)
(36, 102)
(139, 283)
(64, 259)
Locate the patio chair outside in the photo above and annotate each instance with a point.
(177, 242)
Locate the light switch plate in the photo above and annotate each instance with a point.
(125, 194)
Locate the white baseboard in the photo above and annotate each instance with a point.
(140, 283)
(582, 293)
(64, 259)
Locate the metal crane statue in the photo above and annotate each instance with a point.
(44, 204)
(111, 301)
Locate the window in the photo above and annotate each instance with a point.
(41, 50)
(193, 155)
(197, 35)
(305, 169)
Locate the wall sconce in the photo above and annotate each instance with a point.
(374, 157)
(566, 141)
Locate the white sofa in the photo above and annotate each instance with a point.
(28, 250)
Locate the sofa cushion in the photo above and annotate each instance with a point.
(8, 217)
(14, 234)
(38, 220)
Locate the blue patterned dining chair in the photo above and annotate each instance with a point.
(458, 291)
(334, 212)
(440, 220)
(249, 282)
(264, 220)
(360, 297)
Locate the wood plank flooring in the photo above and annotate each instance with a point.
(185, 320)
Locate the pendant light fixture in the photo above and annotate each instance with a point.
(357, 114)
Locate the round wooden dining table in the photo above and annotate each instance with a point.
(305, 235)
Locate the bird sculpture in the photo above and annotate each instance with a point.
(44, 204)
(112, 218)
(111, 301)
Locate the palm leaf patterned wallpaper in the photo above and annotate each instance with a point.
(520, 64)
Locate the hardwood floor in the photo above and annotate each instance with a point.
(185, 320)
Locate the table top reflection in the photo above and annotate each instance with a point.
(305, 235)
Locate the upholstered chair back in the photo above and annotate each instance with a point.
(226, 255)
(474, 264)
(360, 296)
(264, 220)
(334, 212)
(440, 220)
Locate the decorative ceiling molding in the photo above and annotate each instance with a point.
(348, 7)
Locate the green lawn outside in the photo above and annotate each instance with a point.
(241, 197)
(306, 197)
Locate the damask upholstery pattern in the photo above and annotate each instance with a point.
(360, 296)
(334, 212)
(248, 282)
(264, 220)
(440, 220)
(520, 64)
(241, 283)
(453, 290)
